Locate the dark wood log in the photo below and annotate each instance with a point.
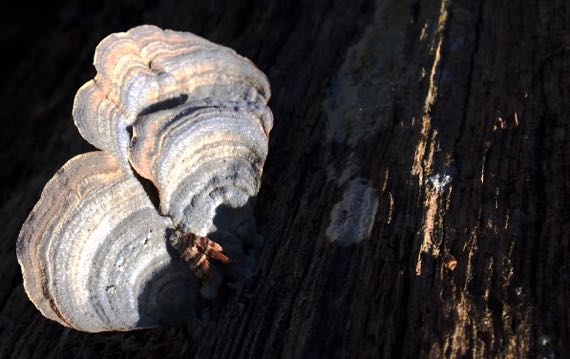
(415, 201)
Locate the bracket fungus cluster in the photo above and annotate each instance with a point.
(183, 129)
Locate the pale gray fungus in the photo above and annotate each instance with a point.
(183, 126)
(352, 218)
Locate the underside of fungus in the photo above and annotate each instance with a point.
(183, 127)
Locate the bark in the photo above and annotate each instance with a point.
(415, 199)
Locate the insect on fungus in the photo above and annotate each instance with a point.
(196, 250)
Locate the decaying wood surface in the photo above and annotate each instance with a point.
(415, 200)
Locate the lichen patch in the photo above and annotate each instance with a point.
(352, 218)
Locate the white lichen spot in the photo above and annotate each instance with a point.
(352, 218)
(439, 182)
(436, 185)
